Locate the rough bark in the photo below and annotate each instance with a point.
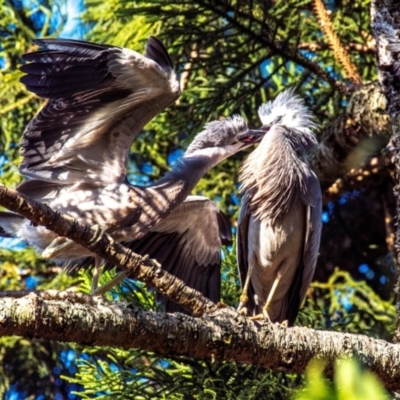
(138, 266)
(222, 336)
(385, 15)
(348, 141)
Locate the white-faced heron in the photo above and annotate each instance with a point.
(280, 219)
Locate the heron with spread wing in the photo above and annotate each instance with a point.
(76, 151)
(280, 223)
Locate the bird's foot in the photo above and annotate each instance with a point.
(242, 302)
(242, 311)
(57, 246)
(154, 263)
(98, 234)
(259, 317)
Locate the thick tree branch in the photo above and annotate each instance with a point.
(347, 141)
(165, 283)
(385, 15)
(222, 336)
(372, 174)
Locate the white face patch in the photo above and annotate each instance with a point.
(287, 110)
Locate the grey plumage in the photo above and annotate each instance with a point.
(76, 150)
(100, 98)
(280, 219)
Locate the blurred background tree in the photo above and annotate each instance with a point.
(231, 56)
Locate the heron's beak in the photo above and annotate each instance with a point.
(251, 136)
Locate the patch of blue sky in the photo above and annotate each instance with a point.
(86, 357)
(235, 199)
(37, 13)
(164, 364)
(147, 168)
(31, 282)
(307, 54)
(68, 357)
(3, 160)
(346, 302)
(367, 271)
(266, 68)
(12, 243)
(343, 199)
(370, 274)
(174, 156)
(363, 268)
(135, 175)
(73, 28)
(13, 394)
(113, 367)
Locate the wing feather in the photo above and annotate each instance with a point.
(100, 97)
(312, 236)
(242, 251)
(188, 245)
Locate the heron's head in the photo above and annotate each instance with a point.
(224, 137)
(287, 110)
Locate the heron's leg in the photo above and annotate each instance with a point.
(110, 284)
(98, 233)
(271, 294)
(118, 279)
(244, 296)
(57, 246)
(269, 299)
(96, 274)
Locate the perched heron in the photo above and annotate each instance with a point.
(279, 225)
(76, 151)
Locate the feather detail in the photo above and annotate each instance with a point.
(270, 194)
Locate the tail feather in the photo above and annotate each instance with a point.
(9, 223)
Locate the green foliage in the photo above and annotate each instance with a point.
(350, 383)
(353, 306)
(115, 373)
(232, 55)
(133, 374)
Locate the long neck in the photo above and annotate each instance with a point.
(180, 181)
(272, 177)
(171, 190)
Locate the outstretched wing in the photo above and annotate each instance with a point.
(188, 245)
(99, 99)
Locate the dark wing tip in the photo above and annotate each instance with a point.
(156, 51)
(224, 225)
